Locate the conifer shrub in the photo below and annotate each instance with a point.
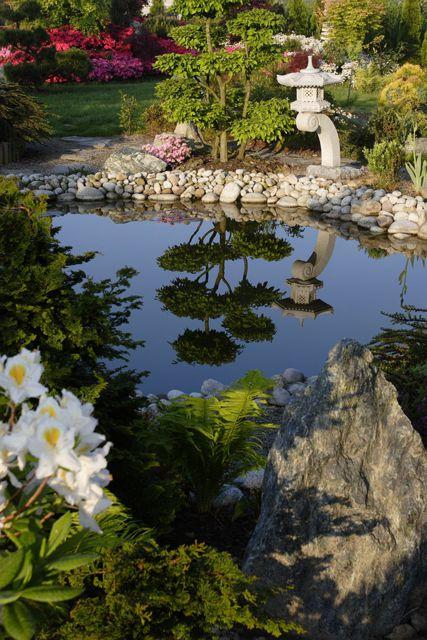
(21, 115)
(384, 161)
(149, 593)
(73, 64)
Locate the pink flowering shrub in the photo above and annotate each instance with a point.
(173, 150)
(118, 53)
(120, 66)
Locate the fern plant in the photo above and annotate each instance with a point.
(418, 172)
(210, 441)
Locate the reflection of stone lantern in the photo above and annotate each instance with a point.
(303, 302)
(310, 84)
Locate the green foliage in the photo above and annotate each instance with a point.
(213, 89)
(123, 12)
(423, 51)
(130, 116)
(192, 592)
(25, 73)
(17, 12)
(389, 124)
(298, 16)
(268, 120)
(384, 161)
(410, 26)
(354, 25)
(186, 298)
(22, 118)
(189, 9)
(401, 352)
(210, 441)
(31, 573)
(87, 15)
(73, 63)
(48, 302)
(417, 170)
(159, 21)
(368, 79)
(406, 89)
(153, 120)
(26, 39)
(392, 24)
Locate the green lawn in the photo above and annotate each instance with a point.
(91, 109)
(359, 101)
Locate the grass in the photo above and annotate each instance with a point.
(365, 102)
(91, 109)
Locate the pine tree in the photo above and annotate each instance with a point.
(410, 26)
(298, 16)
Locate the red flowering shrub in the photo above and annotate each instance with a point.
(118, 53)
(296, 60)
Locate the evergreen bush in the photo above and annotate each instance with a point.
(190, 593)
(384, 161)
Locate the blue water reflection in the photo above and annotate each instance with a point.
(355, 285)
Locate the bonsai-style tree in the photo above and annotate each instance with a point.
(210, 295)
(212, 85)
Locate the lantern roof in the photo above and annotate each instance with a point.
(309, 77)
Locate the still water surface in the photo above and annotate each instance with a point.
(356, 289)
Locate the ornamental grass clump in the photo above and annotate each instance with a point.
(52, 460)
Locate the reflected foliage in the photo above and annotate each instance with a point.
(401, 351)
(210, 295)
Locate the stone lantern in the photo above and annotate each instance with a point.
(303, 301)
(310, 84)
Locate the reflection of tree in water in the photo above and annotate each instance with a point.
(210, 296)
(401, 351)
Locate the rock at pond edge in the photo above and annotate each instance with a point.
(344, 508)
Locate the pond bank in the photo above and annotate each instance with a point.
(394, 215)
(124, 211)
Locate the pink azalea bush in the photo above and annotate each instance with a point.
(121, 66)
(173, 150)
(117, 53)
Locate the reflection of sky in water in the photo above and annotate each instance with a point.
(358, 288)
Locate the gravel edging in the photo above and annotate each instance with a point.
(394, 214)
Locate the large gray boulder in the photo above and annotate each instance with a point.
(344, 508)
(130, 160)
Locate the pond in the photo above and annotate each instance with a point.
(216, 296)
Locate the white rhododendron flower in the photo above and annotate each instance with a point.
(3, 499)
(83, 422)
(20, 376)
(52, 442)
(83, 488)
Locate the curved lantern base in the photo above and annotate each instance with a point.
(327, 133)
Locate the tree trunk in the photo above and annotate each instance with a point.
(223, 142)
(223, 147)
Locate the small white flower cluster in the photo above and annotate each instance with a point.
(55, 443)
(307, 43)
